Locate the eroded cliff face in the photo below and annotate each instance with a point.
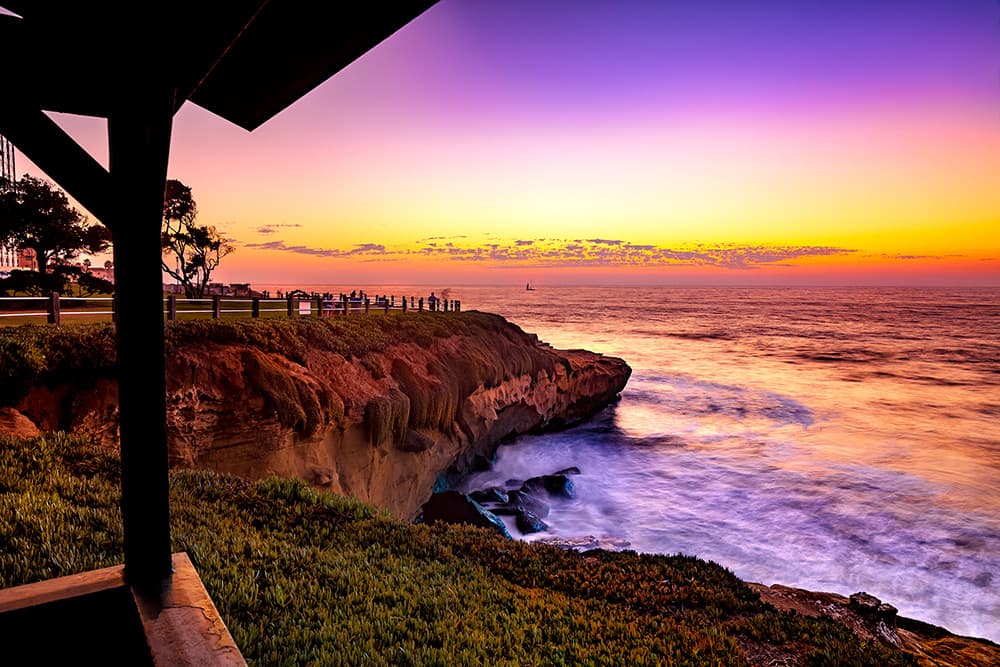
(381, 426)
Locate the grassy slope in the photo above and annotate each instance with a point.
(302, 577)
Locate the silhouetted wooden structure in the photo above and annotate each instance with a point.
(135, 64)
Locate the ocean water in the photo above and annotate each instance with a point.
(832, 439)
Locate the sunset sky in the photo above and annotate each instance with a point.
(710, 142)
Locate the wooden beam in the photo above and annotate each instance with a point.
(58, 155)
(139, 141)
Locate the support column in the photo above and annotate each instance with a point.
(139, 142)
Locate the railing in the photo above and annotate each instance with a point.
(55, 307)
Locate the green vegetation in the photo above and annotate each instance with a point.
(33, 353)
(307, 578)
(39, 353)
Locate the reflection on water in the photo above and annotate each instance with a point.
(833, 439)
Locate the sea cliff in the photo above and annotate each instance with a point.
(378, 408)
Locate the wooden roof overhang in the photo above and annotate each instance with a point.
(136, 63)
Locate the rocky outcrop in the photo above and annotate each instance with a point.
(871, 619)
(380, 426)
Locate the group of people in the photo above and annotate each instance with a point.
(434, 302)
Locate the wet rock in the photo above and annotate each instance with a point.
(572, 470)
(493, 494)
(587, 542)
(481, 463)
(554, 485)
(519, 501)
(455, 507)
(528, 523)
(514, 483)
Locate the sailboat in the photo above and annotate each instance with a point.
(529, 288)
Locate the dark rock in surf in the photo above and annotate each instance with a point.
(455, 507)
(572, 470)
(554, 485)
(519, 501)
(528, 523)
(493, 494)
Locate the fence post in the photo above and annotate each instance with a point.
(458, 306)
(393, 301)
(420, 304)
(319, 306)
(171, 307)
(404, 304)
(385, 302)
(347, 307)
(54, 315)
(255, 307)
(216, 306)
(367, 304)
(291, 306)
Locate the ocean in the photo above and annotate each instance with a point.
(834, 439)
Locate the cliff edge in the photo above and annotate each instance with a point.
(375, 407)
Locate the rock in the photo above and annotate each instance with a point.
(455, 507)
(493, 494)
(519, 501)
(13, 423)
(879, 617)
(385, 423)
(514, 483)
(319, 476)
(572, 470)
(554, 485)
(528, 523)
(587, 543)
(863, 614)
(415, 441)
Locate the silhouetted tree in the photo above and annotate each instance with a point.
(37, 215)
(194, 250)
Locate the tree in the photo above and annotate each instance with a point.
(194, 250)
(37, 215)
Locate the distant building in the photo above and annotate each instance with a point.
(20, 259)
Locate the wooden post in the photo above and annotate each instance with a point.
(458, 306)
(347, 306)
(291, 306)
(393, 302)
(171, 307)
(139, 127)
(385, 304)
(404, 304)
(367, 304)
(53, 308)
(420, 304)
(319, 306)
(255, 307)
(216, 306)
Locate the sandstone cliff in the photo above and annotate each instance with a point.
(379, 421)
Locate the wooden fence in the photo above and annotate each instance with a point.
(55, 307)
